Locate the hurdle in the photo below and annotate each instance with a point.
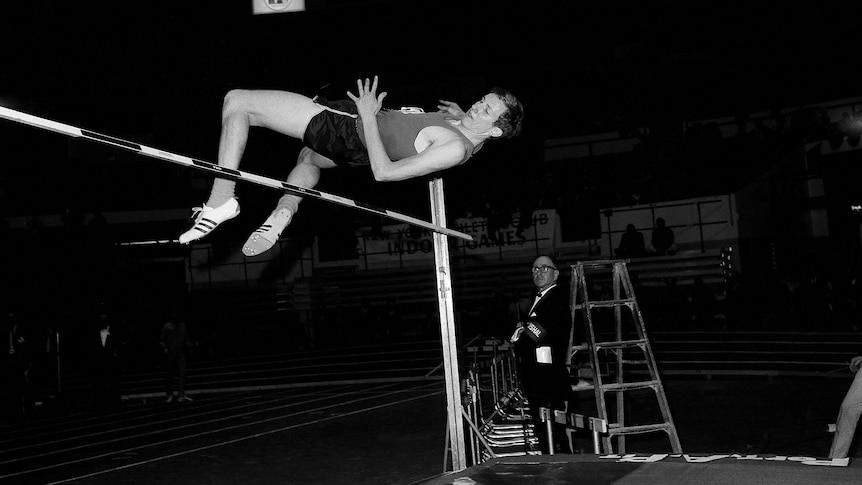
(455, 410)
(597, 426)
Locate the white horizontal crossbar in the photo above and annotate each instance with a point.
(62, 128)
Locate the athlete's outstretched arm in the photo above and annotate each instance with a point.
(435, 158)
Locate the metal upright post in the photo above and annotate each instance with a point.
(59, 369)
(447, 327)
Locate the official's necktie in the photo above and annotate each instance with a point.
(535, 302)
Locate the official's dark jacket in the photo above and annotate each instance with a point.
(554, 321)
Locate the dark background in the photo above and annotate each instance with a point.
(156, 73)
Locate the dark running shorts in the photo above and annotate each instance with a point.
(332, 133)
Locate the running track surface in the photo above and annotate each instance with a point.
(343, 434)
(331, 423)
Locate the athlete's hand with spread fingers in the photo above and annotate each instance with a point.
(450, 108)
(368, 102)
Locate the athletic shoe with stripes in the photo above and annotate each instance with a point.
(265, 236)
(208, 218)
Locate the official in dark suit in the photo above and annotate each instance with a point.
(541, 345)
(106, 367)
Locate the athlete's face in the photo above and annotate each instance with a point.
(483, 114)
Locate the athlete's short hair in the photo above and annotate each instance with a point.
(512, 120)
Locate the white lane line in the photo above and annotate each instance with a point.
(237, 440)
(88, 423)
(159, 431)
(205, 433)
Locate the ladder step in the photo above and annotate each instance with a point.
(644, 428)
(628, 386)
(620, 344)
(600, 263)
(609, 303)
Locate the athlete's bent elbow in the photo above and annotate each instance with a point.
(383, 177)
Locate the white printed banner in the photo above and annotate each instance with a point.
(400, 242)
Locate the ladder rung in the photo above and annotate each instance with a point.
(644, 428)
(610, 303)
(620, 344)
(598, 263)
(627, 386)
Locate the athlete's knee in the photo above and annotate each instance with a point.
(310, 158)
(306, 157)
(235, 101)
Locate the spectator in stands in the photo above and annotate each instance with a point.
(174, 342)
(631, 244)
(662, 240)
(541, 349)
(848, 415)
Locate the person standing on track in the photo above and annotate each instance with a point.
(175, 344)
(541, 343)
(848, 415)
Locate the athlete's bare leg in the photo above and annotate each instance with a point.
(281, 111)
(306, 173)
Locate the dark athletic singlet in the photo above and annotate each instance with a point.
(399, 131)
(339, 136)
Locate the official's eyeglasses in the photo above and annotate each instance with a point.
(542, 269)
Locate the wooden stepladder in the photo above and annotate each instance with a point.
(618, 341)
